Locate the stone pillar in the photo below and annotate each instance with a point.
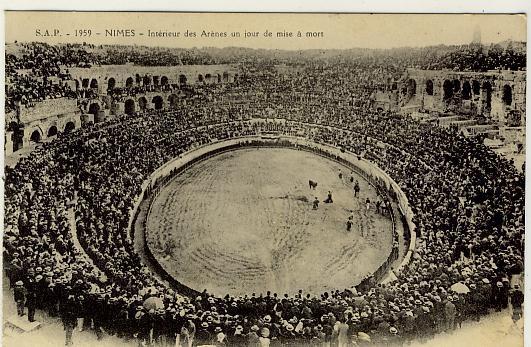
(8, 146)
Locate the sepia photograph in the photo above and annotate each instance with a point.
(182, 179)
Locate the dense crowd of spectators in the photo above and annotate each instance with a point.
(468, 204)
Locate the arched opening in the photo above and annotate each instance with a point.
(129, 106)
(467, 91)
(487, 94)
(138, 79)
(158, 101)
(164, 80)
(52, 131)
(200, 78)
(448, 89)
(236, 76)
(156, 80)
(85, 83)
(457, 86)
(129, 82)
(94, 83)
(208, 78)
(94, 108)
(182, 79)
(173, 100)
(146, 80)
(429, 87)
(142, 103)
(225, 76)
(111, 83)
(69, 127)
(476, 87)
(507, 96)
(35, 136)
(219, 78)
(411, 87)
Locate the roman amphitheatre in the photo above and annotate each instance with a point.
(243, 221)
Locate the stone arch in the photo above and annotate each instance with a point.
(429, 87)
(129, 82)
(142, 103)
(456, 85)
(52, 131)
(129, 106)
(69, 127)
(36, 136)
(487, 94)
(411, 87)
(94, 83)
(466, 92)
(448, 90)
(94, 108)
(163, 80)
(85, 83)
(476, 87)
(111, 83)
(173, 101)
(182, 79)
(507, 96)
(158, 102)
(146, 80)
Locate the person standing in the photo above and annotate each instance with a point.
(69, 318)
(449, 314)
(31, 300)
(517, 300)
(356, 188)
(315, 203)
(349, 224)
(342, 337)
(20, 297)
(368, 203)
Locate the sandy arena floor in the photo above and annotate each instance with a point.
(243, 222)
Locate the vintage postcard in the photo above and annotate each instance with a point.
(264, 179)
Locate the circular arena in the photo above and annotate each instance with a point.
(193, 222)
(243, 221)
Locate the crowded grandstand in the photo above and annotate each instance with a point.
(68, 246)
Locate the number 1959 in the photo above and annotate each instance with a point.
(83, 32)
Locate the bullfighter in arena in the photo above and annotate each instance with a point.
(316, 203)
(329, 198)
(356, 188)
(349, 223)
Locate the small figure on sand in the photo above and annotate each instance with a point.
(329, 198)
(316, 204)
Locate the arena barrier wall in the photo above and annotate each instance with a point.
(386, 187)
